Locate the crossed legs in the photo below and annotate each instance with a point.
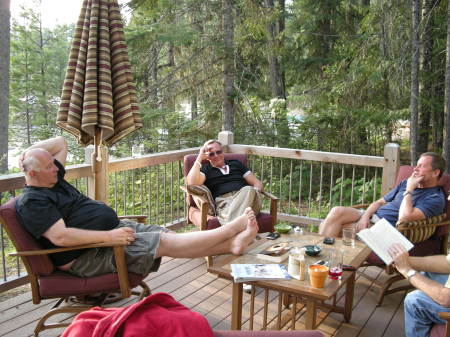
(234, 238)
(338, 218)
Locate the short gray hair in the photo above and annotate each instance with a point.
(212, 141)
(30, 163)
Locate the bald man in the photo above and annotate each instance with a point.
(58, 215)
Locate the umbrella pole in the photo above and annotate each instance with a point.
(99, 161)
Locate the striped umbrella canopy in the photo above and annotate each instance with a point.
(98, 101)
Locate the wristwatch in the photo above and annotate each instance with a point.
(406, 193)
(410, 274)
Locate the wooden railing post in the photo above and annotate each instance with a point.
(390, 166)
(98, 182)
(226, 138)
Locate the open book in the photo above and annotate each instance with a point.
(381, 236)
(258, 272)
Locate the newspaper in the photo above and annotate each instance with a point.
(381, 236)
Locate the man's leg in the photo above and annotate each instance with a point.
(338, 218)
(234, 204)
(225, 239)
(420, 314)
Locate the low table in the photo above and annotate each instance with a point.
(312, 297)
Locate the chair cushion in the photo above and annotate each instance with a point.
(23, 241)
(60, 284)
(438, 330)
(202, 191)
(417, 231)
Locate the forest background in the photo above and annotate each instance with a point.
(330, 75)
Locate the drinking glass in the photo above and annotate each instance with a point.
(335, 264)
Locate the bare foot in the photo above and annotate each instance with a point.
(245, 237)
(239, 223)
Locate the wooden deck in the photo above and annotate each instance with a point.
(189, 283)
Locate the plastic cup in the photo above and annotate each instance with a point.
(317, 275)
(348, 236)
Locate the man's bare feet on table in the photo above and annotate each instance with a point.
(245, 237)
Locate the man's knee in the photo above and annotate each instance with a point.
(412, 300)
(338, 211)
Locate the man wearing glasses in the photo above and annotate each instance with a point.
(233, 186)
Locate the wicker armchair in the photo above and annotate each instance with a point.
(430, 237)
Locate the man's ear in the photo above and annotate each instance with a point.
(32, 173)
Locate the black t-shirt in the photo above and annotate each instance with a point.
(220, 183)
(39, 208)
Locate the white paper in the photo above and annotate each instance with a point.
(381, 236)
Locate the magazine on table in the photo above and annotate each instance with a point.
(258, 272)
(381, 236)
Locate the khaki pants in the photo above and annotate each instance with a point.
(231, 205)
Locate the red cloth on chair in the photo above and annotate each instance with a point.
(158, 315)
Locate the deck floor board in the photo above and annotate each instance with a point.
(188, 282)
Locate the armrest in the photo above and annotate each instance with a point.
(269, 195)
(64, 249)
(444, 315)
(421, 230)
(358, 206)
(138, 217)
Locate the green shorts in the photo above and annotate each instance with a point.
(139, 255)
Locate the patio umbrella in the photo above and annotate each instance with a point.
(98, 100)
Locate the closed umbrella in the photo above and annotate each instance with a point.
(98, 100)
(99, 96)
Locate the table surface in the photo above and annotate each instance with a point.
(353, 256)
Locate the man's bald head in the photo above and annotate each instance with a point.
(32, 160)
(39, 168)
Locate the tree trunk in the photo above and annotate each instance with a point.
(414, 101)
(228, 67)
(194, 107)
(425, 85)
(447, 96)
(5, 15)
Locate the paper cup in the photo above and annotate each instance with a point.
(317, 275)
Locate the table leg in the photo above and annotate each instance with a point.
(349, 293)
(311, 314)
(236, 307)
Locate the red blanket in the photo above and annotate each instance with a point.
(158, 315)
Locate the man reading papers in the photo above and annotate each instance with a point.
(415, 198)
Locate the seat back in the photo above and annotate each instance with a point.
(23, 241)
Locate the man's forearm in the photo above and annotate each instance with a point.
(432, 264)
(373, 207)
(194, 176)
(436, 291)
(75, 237)
(51, 145)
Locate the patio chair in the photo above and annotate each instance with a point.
(203, 217)
(48, 282)
(441, 330)
(429, 236)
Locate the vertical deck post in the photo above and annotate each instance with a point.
(98, 181)
(226, 138)
(390, 167)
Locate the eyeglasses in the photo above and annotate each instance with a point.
(213, 154)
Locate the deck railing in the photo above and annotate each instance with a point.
(308, 184)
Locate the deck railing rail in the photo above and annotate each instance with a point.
(308, 184)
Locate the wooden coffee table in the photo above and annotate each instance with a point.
(312, 298)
